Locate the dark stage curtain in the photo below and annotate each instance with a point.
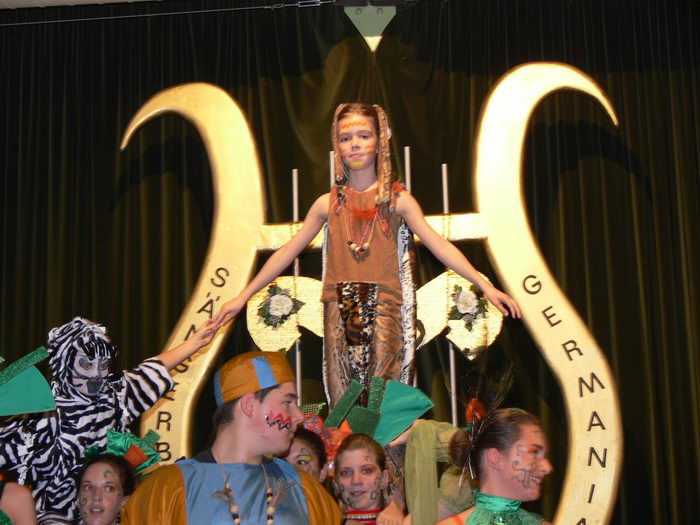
(119, 237)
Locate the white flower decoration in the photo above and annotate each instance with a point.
(281, 305)
(467, 302)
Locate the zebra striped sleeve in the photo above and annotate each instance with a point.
(145, 385)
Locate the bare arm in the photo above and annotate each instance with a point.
(391, 515)
(408, 208)
(279, 260)
(456, 519)
(201, 338)
(18, 503)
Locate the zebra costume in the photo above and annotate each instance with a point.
(48, 449)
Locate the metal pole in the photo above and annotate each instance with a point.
(407, 166)
(451, 350)
(295, 219)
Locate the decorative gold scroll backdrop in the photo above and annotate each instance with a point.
(595, 435)
(590, 394)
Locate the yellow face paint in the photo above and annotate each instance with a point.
(345, 124)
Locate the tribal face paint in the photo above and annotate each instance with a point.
(526, 465)
(277, 419)
(282, 422)
(100, 495)
(357, 141)
(301, 455)
(358, 480)
(351, 122)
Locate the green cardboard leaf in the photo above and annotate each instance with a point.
(363, 420)
(401, 406)
(26, 393)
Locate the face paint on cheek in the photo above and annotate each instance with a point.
(525, 472)
(374, 494)
(82, 504)
(283, 423)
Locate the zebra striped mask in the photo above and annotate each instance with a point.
(80, 352)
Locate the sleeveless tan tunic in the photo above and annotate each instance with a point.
(377, 265)
(362, 296)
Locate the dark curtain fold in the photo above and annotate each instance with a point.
(120, 237)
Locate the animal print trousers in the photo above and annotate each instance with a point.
(362, 338)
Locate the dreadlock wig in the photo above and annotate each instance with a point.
(48, 449)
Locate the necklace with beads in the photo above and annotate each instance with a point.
(226, 495)
(360, 244)
(368, 517)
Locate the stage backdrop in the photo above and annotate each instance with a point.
(120, 237)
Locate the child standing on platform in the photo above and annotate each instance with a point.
(368, 287)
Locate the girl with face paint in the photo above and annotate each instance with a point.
(360, 482)
(104, 485)
(307, 453)
(368, 289)
(508, 456)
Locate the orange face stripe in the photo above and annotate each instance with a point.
(351, 123)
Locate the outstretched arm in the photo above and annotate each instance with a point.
(449, 255)
(278, 261)
(201, 338)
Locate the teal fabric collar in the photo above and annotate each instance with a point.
(496, 503)
(492, 509)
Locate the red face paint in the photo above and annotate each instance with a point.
(283, 423)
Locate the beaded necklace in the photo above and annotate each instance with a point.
(366, 517)
(226, 495)
(360, 245)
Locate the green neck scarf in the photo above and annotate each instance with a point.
(496, 510)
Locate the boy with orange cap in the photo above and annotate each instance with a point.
(235, 481)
